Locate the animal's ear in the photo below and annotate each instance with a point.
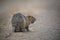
(31, 19)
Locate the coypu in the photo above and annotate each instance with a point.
(21, 23)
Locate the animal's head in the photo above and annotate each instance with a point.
(31, 19)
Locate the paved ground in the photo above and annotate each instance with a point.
(32, 35)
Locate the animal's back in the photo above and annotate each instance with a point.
(17, 19)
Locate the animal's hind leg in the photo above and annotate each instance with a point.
(20, 29)
(17, 29)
